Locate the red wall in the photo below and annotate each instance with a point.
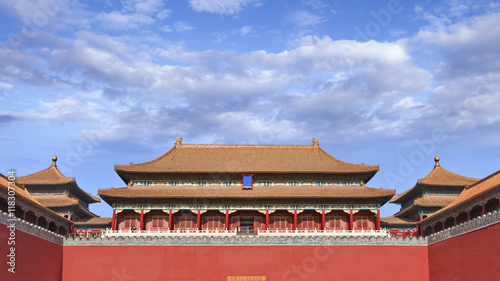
(207, 263)
(472, 256)
(36, 259)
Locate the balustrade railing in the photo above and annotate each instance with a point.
(222, 232)
(339, 232)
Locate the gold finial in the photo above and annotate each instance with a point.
(54, 160)
(436, 159)
(178, 141)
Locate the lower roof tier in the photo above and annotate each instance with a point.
(262, 193)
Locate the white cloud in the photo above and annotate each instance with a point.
(68, 109)
(182, 26)
(305, 18)
(223, 7)
(166, 28)
(135, 14)
(164, 14)
(397, 32)
(6, 86)
(143, 6)
(119, 21)
(245, 30)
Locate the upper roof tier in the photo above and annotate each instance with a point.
(206, 158)
(439, 176)
(52, 176)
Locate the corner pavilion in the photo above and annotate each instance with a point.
(432, 193)
(246, 188)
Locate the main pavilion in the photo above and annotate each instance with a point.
(249, 188)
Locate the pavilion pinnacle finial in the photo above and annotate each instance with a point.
(436, 159)
(315, 142)
(178, 141)
(54, 160)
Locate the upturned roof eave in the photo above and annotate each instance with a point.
(87, 197)
(401, 198)
(386, 194)
(405, 196)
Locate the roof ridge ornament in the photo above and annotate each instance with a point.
(178, 141)
(436, 159)
(54, 160)
(315, 142)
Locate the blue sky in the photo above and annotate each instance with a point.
(389, 83)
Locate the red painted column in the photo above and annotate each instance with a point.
(170, 222)
(468, 215)
(24, 215)
(141, 223)
(442, 224)
(227, 220)
(113, 220)
(47, 225)
(421, 217)
(36, 221)
(198, 220)
(377, 227)
(351, 220)
(294, 219)
(483, 207)
(323, 220)
(267, 219)
(455, 220)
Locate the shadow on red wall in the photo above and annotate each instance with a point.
(35, 258)
(472, 256)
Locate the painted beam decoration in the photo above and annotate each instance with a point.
(239, 183)
(328, 207)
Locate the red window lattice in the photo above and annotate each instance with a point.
(364, 222)
(336, 222)
(280, 222)
(157, 222)
(213, 222)
(185, 222)
(129, 223)
(308, 222)
(258, 223)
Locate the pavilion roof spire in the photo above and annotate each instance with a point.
(436, 159)
(54, 160)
